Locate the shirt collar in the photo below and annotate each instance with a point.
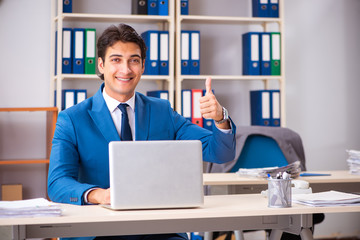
(113, 104)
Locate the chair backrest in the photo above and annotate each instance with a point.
(259, 146)
(258, 152)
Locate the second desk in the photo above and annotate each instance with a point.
(231, 183)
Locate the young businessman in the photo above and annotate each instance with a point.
(79, 161)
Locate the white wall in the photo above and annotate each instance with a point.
(322, 65)
(24, 82)
(322, 62)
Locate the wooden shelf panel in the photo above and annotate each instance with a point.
(31, 109)
(227, 20)
(24, 161)
(78, 76)
(95, 77)
(231, 77)
(113, 17)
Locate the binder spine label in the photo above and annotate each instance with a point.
(164, 53)
(67, 44)
(90, 49)
(254, 47)
(275, 47)
(265, 101)
(153, 47)
(79, 41)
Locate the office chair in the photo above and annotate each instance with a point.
(259, 147)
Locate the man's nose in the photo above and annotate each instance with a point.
(125, 68)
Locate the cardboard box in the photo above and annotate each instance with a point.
(11, 192)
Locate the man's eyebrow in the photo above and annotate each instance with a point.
(119, 55)
(136, 55)
(116, 55)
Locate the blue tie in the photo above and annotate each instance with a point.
(125, 127)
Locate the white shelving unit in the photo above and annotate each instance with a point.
(200, 19)
(174, 23)
(58, 18)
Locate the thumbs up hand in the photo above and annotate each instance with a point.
(210, 108)
(208, 86)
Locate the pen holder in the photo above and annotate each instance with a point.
(279, 193)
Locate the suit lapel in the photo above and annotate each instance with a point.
(101, 116)
(142, 118)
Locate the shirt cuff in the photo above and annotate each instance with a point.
(86, 196)
(227, 131)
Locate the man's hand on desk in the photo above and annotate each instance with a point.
(99, 196)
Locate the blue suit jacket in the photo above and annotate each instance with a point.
(79, 157)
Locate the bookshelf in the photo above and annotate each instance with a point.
(264, 23)
(59, 20)
(51, 117)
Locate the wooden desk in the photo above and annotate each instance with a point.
(219, 213)
(340, 180)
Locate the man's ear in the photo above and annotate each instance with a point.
(143, 66)
(101, 65)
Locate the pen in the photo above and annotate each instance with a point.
(286, 175)
(314, 174)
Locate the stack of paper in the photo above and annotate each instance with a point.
(37, 207)
(293, 168)
(354, 161)
(325, 199)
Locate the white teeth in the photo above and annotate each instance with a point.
(123, 79)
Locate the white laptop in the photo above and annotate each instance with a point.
(155, 174)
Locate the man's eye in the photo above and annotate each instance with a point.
(135, 60)
(115, 60)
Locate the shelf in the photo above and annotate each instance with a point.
(31, 109)
(51, 118)
(112, 17)
(24, 161)
(96, 77)
(231, 77)
(227, 20)
(78, 76)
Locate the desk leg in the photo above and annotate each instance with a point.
(306, 234)
(208, 235)
(276, 234)
(306, 224)
(18, 232)
(239, 235)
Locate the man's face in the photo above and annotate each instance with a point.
(122, 69)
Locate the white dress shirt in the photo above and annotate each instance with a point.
(116, 115)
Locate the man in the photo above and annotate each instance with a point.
(79, 161)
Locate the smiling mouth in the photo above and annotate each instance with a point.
(123, 79)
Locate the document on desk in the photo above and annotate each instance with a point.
(38, 207)
(293, 169)
(354, 161)
(326, 199)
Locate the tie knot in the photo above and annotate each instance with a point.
(122, 107)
